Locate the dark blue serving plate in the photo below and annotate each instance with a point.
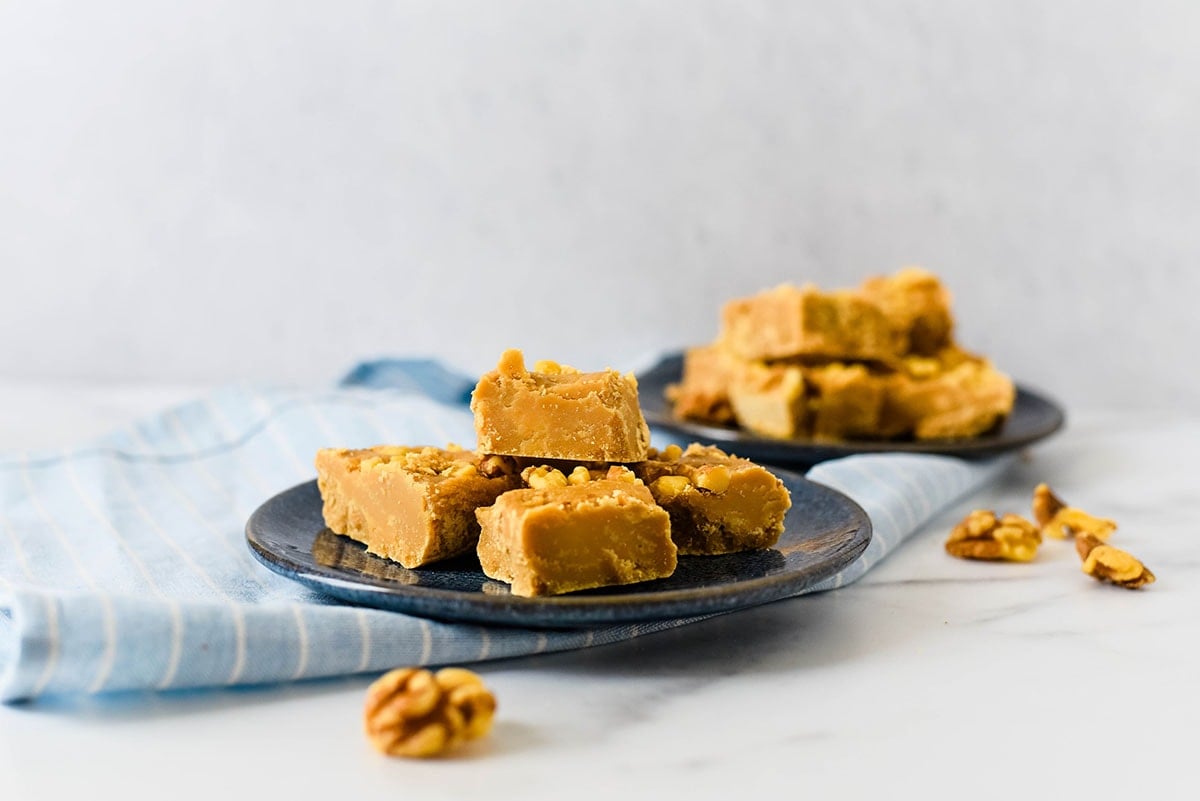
(823, 532)
(1035, 416)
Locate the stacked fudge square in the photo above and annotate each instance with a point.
(563, 492)
(877, 361)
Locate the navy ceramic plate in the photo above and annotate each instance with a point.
(1034, 417)
(824, 531)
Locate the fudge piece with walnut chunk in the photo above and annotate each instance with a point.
(557, 412)
(771, 399)
(702, 393)
(411, 505)
(565, 534)
(845, 401)
(950, 396)
(718, 503)
(803, 322)
(832, 401)
(917, 305)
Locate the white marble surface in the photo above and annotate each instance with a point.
(931, 677)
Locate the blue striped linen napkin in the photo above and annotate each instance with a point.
(123, 563)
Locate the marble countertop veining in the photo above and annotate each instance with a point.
(931, 677)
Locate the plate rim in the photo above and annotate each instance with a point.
(583, 610)
(808, 451)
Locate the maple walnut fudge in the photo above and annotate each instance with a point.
(771, 400)
(845, 401)
(954, 395)
(703, 389)
(718, 503)
(557, 412)
(411, 505)
(831, 401)
(917, 305)
(879, 361)
(949, 395)
(562, 535)
(826, 402)
(788, 322)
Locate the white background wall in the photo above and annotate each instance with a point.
(271, 190)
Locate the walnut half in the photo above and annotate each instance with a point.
(1063, 522)
(983, 535)
(415, 713)
(1106, 563)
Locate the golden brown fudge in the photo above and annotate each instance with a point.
(790, 321)
(770, 400)
(411, 505)
(562, 535)
(952, 396)
(718, 503)
(703, 390)
(917, 305)
(845, 401)
(557, 412)
(832, 401)
(875, 362)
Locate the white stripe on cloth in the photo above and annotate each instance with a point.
(173, 657)
(364, 633)
(239, 654)
(17, 551)
(426, 642)
(110, 647)
(302, 643)
(52, 647)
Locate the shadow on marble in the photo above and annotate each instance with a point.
(507, 737)
(795, 634)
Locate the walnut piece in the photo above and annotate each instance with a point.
(494, 466)
(667, 487)
(415, 713)
(1046, 504)
(543, 477)
(714, 478)
(1106, 563)
(553, 368)
(982, 535)
(1060, 521)
(546, 477)
(619, 472)
(671, 453)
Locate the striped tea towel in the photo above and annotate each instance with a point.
(123, 563)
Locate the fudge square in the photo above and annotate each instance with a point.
(411, 505)
(771, 399)
(717, 503)
(953, 396)
(917, 305)
(703, 391)
(561, 535)
(790, 321)
(557, 412)
(827, 402)
(847, 401)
